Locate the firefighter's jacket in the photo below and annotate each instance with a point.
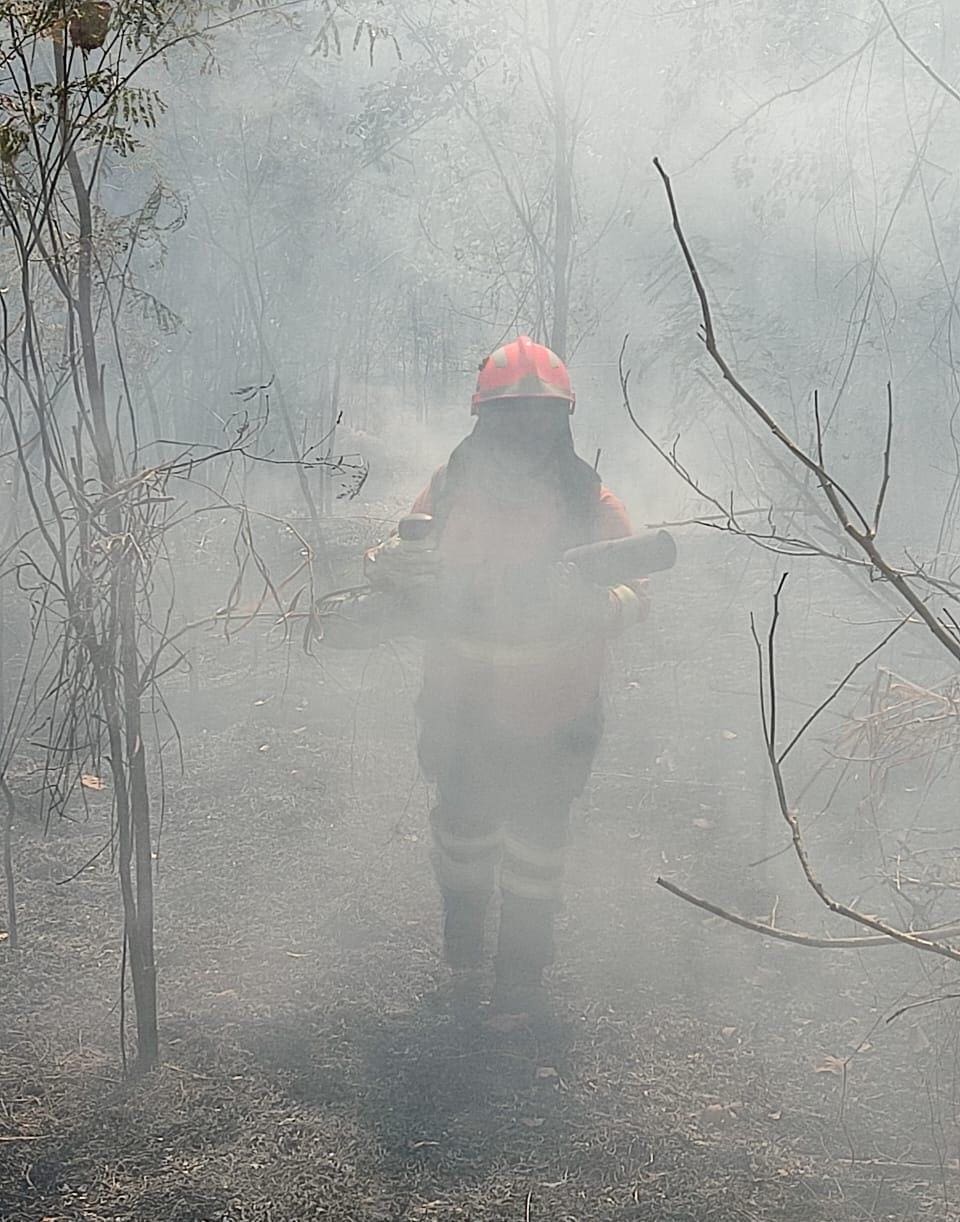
(507, 659)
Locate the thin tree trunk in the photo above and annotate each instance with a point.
(99, 425)
(140, 942)
(3, 650)
(120, 688)
(115, 659)
(332, 434)
(9, 878)
(563, 190)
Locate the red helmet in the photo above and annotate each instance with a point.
(523, 370)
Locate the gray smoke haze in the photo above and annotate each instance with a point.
(340, 209)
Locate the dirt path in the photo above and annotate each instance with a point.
(695, 1074)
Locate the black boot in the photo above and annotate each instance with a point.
(525, 948)
(463, 921)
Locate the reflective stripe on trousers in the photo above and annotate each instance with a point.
(503, 801)
(528, 868)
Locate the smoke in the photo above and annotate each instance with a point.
(339, 213)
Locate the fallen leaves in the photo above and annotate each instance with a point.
(832, 1065)
(717, 1115)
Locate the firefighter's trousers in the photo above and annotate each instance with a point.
(502, 819)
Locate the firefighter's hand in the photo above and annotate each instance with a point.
(401, 566)
(632, 603)
(602, 610)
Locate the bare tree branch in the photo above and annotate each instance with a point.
(841, 503)
(917, 59)
(860, 942)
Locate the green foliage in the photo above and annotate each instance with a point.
(336, 27)
(127, 110)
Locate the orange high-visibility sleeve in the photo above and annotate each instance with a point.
(613, 521)
(425, 500)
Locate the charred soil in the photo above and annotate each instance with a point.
(312, 1068)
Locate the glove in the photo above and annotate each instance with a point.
(601, 610)
(406, 568)
(631, 604)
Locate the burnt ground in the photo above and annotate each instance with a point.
(694, 1073)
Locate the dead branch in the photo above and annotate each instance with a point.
(917, 59)
(920, 1005)
(848, 514)
(841, 686)
(886, 934)
(727, 519)
(768, 699)
(859, 942)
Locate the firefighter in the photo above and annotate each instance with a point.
(510, 709)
